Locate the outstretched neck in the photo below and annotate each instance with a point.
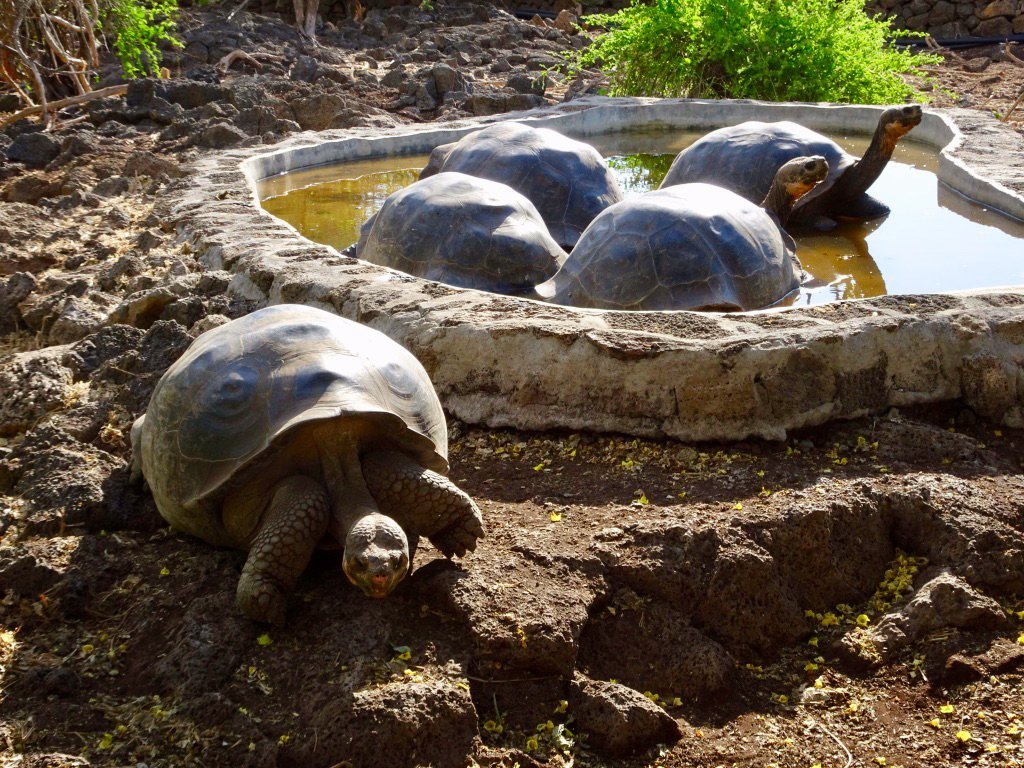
(866, 171)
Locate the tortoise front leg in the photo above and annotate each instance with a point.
(423, 501)
(294, 524)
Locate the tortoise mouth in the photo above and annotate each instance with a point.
(908, 118)
(377, 586)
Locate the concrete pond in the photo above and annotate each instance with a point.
(505, 361)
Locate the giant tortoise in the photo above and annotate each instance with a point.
(291, 428)
(690, 246)
(464, 231)
(568, 181)
(744, 158)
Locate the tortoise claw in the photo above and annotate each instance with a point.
(458, 539)
(260, 599)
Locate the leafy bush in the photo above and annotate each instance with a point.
(138, 29)
(781, 50)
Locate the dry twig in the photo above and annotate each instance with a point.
(236, 55)
(54, 106)
(1013, 107)
(837, 740)
(934, 45)
(1011, 56)
(238, 10)
(51, 44)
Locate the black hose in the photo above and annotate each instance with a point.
(529, 13)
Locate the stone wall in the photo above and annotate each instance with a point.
(941, 18)
(947, 18)
(333, 10)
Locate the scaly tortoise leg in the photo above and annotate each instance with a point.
(293, 525)
(429, 503)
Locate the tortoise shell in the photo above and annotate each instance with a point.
(568, 181)
(464, 231)
(690, 246)
(242, 388)
(744, 159)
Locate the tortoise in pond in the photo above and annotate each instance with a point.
(292, 428)
(744, 158)
(568, 181)
(464, 231)
(690, 246)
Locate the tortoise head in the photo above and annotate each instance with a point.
(799, 176)
(376, 555)
(898, 121)
(792, 181)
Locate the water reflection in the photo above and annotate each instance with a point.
(840, 266)
(640, 172)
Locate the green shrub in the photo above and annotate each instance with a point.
(781, 50)
(138, 29)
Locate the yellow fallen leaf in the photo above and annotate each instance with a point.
(947, 709)
(964, 736)
(556, 517)
(264, 639)
(738, 506)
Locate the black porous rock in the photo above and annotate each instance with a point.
(617, 720)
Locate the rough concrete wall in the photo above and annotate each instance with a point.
(946, 18)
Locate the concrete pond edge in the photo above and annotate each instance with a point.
(504, 361)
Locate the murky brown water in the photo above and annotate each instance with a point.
(933, 241)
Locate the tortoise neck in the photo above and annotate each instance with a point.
(779, 202)
(862, 174)
(343, 477)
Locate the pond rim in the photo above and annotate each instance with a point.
(513, 362)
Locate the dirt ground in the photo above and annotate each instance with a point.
(853, 596)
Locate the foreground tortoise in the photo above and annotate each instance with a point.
(291, 428)
(464, 231)
(568, 181)
(690, 246)
(744, 158)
